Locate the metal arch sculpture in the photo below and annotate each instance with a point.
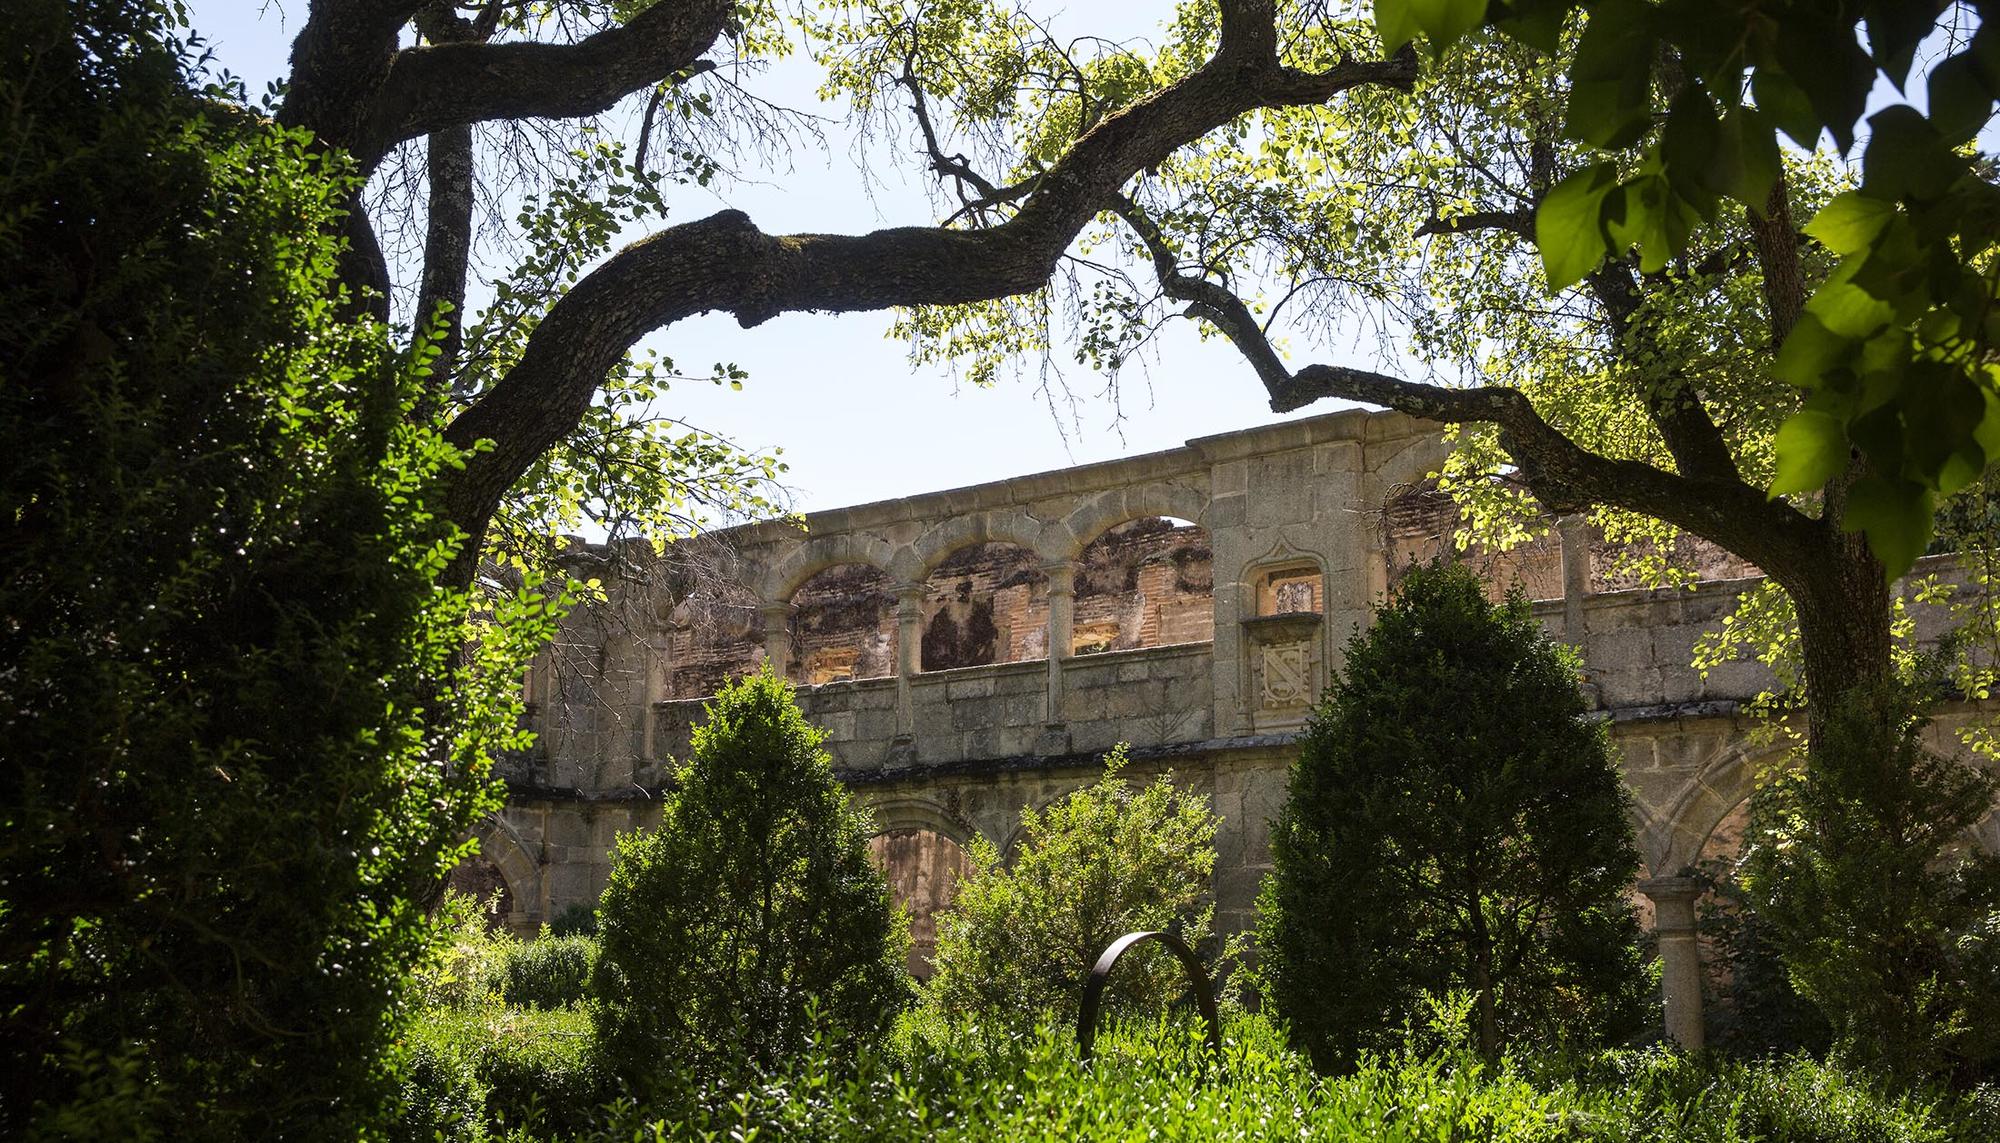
(1100, 974)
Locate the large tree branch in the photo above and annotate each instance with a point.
(444, 85)
(1672, 400)
(1563, 475)
(1566, 477)
(448, 227)
(725, 263)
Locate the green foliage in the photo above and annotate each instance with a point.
(1454, 822)
(1896, 348)
(626, 468)
(246, 731)
(1885, 920)
(1755, 1011)
(472, 1076)
(752, 918)
(1152, 1080)
(548, 972)
(1107, 860)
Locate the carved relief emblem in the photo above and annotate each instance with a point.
(1287, 674)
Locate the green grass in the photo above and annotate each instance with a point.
(532, 1072)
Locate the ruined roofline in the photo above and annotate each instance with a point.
(1360, 425)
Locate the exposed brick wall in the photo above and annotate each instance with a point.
(1144, 583)
(844, 625)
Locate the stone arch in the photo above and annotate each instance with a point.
(843, 625)
(818, 553)
(1092, 518)
(983, 603)
(922, 852)
(908, 812)
(1671, 837)
(502, 845)
(944, 540)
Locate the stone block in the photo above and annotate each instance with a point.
(568, 827)
(1624, 648)
(972, 714)
(1024, 709)
(870, 725)
(838, 724)
(1741, 680)
(977, 686)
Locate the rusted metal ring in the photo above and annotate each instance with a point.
(1100, 973)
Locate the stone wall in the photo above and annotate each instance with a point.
(1198, 601)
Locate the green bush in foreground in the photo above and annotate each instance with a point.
(1882, 918)
(474, 968)
(547, 972)
(1454, 823)
(752, 919)
(473, 1074)
(1153, 1081)
(1107, 860)
(245, 730)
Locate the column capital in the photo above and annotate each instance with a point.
(772, 611)
(1673, 903)
(1062, 576)
(1675, 889)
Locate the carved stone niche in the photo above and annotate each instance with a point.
(1286, 668)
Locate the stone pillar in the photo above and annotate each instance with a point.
(1575, 534)
(1062, 626)
(1680, 955)
(778, 637)
(909, 655)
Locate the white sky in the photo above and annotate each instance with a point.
(856, 422)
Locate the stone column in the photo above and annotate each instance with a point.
(778, 637)
(1575, 534)
(1062, 627)
(1680, 955)
(909, 656)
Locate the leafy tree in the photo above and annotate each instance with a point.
(1896, 346)
(369, 80)
(752, 920)
(246, 731)
(1885, 919)
(1454, 822)
(1107, 860)
(1643, 395)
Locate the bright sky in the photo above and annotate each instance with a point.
(856, 422)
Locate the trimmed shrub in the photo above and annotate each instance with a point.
(1107, 860)
(548, 972)
(472, 1074)
(1454, 823)
(751, 920)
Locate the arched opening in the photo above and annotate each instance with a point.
(714, 635)
(1148, 582)
(481, 879)
(924, 868)
(986, 603)
(844, 625)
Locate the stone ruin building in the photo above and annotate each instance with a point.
(1196, 601)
